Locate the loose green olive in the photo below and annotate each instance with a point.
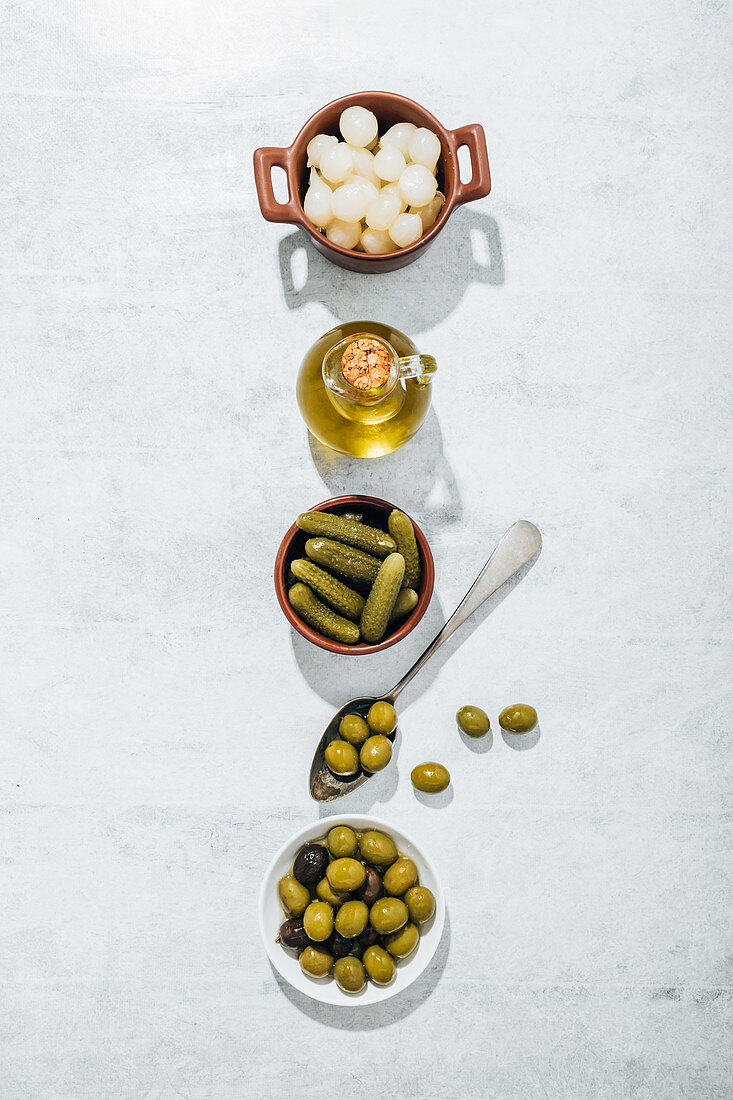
(473, 721)
(382, 718)
(345, 874)
(354, 729)
(315, 962)
(349, 974)
(351, 919)
(379, 965)
(376, 753)
(341, 758)
(325, 893)
(430, 777)
(342, 841)
(310, 864)
(377, 848)
(318, 921)
(518, 718)
(400, 876)
(420, 904)
(294, 896)
(403, 942)
(387, 915)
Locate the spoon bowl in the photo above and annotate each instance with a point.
(324, 786)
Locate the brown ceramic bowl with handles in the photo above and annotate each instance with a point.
(375, 512)
(389, 109)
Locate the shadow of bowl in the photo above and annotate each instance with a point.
(468, 252)
(372, 1017)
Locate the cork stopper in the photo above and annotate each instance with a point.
(366, 364)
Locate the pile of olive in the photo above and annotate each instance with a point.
(356, 581)
(363, 743)
(354, 905)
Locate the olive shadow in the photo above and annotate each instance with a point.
(477, 744)
(435, 801)
(522, 742)
(379, 788)
(427, 485)
(467, 251)
(371, 1017)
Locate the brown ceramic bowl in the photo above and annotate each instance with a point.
(389, 108)
(375, 512)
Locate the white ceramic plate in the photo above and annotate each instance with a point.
(285, 960)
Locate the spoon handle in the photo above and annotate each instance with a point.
(518, 546)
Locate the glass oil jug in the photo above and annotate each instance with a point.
(364, 389)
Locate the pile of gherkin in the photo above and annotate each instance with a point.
(356, 581)
(354, 906)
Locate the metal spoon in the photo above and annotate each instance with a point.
(518, 546)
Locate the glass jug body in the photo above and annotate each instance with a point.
(363, 389)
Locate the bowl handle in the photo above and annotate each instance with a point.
(265, 160)
(474, 138)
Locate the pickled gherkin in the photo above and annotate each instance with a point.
(348, 561)
(320, 617)
(403, 533)
(405, 603)
(331, 526)
(382, 597)
(341, 598)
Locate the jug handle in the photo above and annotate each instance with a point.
(417, 366)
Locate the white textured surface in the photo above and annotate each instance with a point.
(153, 455)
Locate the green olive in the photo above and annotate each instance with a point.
(315, 962)
(326, 893)
(382, 718)
(387, 915)
(403, 942)
(376, 753)
(420, 904)
(400, 876)
(518, 718)
(430, 777)
(351, 919)
(318, 921)
(349, 974)
(379, 965)
(341, 758)
(377, 848)
(342, 841)
(294, 896)
(473, 721)
(354, 729)
(345, 874)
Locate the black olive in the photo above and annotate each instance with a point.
(339, 945)
(367, 939)
(292, 933)
(371, 889)
(310, 864)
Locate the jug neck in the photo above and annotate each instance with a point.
(361, 374)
